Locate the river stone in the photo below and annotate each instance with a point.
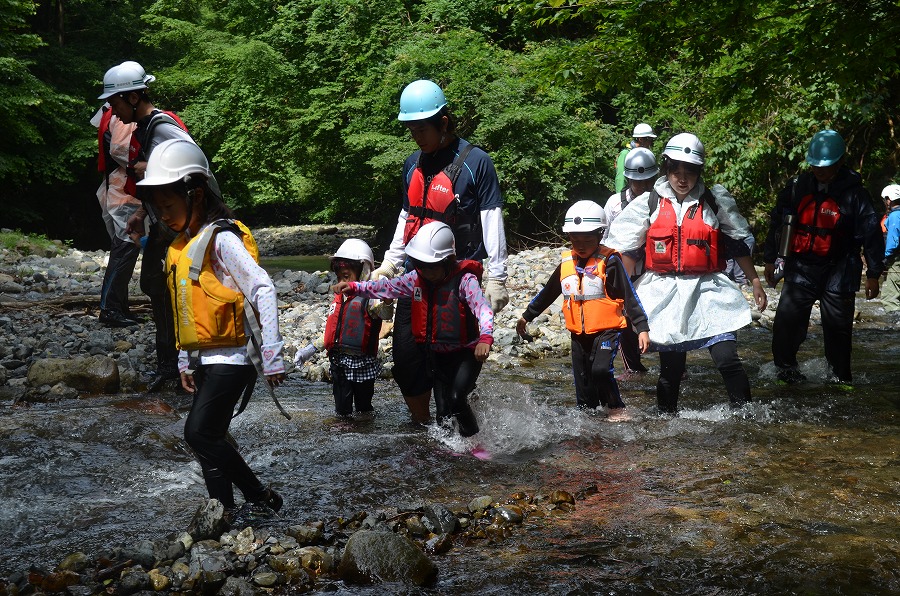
(440, 519)
(209, 521)
(58, 581)
(479, 504)
(94, 375)
(76, 562)
(237, 586)
(133, 580)
(310, 534)
(384, 556)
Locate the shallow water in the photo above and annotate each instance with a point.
(795, 493)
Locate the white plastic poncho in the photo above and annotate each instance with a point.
(684, 308)
(117, 206)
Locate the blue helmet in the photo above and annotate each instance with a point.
(420, 100)
(825, 149)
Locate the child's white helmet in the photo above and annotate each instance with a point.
(640, 164)
(175, 160)
(891, 192)
(685, 147)
(354, 249)
(433, 243)
(584, 216)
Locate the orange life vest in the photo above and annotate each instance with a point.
(586, 306)
(439, 314)
(207, 313)
(690, 248)
(350, 328)
(818, 217)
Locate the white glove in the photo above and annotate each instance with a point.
(387, 269)
(495, 291)
(304, 354)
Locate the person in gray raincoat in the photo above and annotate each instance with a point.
(687, 231)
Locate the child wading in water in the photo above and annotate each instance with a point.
(351, 334)
(597, 295)
(450, 315)
(219, 294)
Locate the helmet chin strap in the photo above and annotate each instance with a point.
(189, 203)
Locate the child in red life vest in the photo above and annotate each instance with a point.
(351, 334)
(597, 296)
(450, 315)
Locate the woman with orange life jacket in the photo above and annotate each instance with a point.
(351, 334)
(687, 229)
(450, 318)
(832, 220)
(597, 296)
(220, 293)
(451, 181)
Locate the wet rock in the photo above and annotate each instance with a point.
(94, 375)
(207, 556)
(415, 527)
(316, 559)
(237, 586)
(133, 580)
(141, 553)
(439, 519)
(560, 496)
(384, 556)
(310, 534)
(510, 513)
(158, 580)
(439, 544)
(58, 581)
(76, 562)
(479, 504)
(209, 521)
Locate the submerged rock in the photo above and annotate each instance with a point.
(384, 556)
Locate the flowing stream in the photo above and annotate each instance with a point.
(795, 493)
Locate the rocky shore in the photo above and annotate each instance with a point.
(52, 345)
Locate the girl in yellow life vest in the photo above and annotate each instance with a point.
(212, 269)
(597, 296)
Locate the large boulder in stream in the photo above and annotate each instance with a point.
(384, 556)
(89, 374)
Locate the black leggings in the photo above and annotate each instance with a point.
(724, 354)
(455, 374)
(592, 366)
(219, 386)
(123, 256)
(347, 392)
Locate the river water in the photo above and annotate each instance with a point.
(795, 493)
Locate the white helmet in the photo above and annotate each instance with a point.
(685, 147)
(584, 216)
(174, 160)
(640, 164)
(891, 192)
(354, 249)
(433, 243)
(128, 76)
(643, 130)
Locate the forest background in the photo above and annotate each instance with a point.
(295, 101)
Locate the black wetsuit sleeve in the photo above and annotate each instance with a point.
(618, 286)
(547, 296)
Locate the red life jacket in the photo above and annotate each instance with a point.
(101, 132)
(434, 200)
(135, 152)
(818, 217)
(439, 314)
(691, 248)
(350, 328)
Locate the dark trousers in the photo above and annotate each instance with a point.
(724, 354)
(792, 321)
(123, 255)
(219, 386)
(410, 357)
(592, 367)
(153, 284)
(455, 374)
(630, 349)
(347, 392)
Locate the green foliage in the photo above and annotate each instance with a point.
(295, 101)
